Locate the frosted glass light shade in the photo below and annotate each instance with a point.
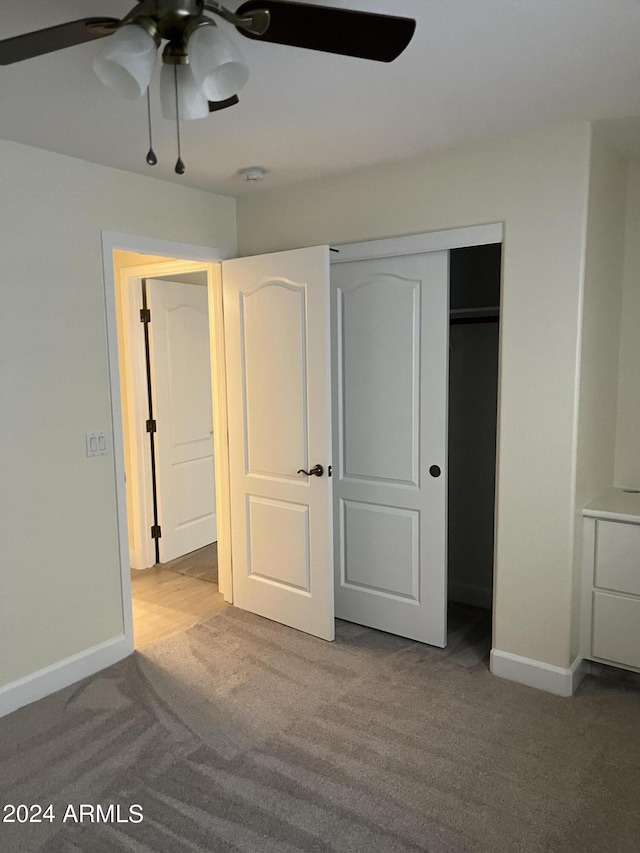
(217, 63)
(127, 62)
(192, 101)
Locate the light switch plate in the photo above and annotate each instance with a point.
(96, 444)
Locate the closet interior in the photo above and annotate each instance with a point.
(475, 274)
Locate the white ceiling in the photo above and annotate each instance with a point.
(475, 68)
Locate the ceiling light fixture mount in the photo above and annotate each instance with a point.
(203, 70)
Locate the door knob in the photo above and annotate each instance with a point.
(316, 471)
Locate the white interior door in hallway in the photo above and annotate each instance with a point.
(278, 390)
(182, 400)
(390, 341)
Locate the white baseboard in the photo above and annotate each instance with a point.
(63, 673)
(476, 596)
(535, 673)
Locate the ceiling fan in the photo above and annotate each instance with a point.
(203, 70)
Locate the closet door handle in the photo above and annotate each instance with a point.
(316, 471)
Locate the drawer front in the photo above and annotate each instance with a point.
(616, 628)
(618, 556)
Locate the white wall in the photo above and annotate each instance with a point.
(537, 184)
(59, 575)
(627, 470)
(600, 339)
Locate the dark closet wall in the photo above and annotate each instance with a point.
(473, 403)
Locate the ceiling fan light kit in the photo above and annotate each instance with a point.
(203, 70)
(127, 63)
(217, 62)
(191, 102)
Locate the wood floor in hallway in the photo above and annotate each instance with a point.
(165, 602)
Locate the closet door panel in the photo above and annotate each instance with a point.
(381, 367)
(390, 426)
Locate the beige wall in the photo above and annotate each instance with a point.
(600, 339)
(627, 471)
(538, 186)
(59, 576)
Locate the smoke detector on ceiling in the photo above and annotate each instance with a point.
(252, 173)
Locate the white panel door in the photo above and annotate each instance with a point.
(390, 384)
(278, 389)
(181, 373)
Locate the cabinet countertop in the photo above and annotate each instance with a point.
(615, 505)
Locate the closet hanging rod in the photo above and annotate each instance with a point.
(476, 318)
(482, 311)
(483, 314)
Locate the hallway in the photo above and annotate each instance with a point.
(165, 602)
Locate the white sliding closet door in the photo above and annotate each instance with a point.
(278, 388)
(390, 402)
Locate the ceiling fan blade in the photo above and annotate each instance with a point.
(363, 34)
(214, 106)
(55, 38)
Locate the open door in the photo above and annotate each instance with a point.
(180, 365)
(391, 348)
(278, 390)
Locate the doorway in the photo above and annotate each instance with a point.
(175, 325)
(474, 338)
(151, 589)
(167, 358)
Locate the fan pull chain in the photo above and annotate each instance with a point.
(151, 154)
(180, 169)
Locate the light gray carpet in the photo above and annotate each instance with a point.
(242, 735)
(201, 564)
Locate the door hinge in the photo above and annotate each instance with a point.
(151, 425)
(156, 532)
(145, 315)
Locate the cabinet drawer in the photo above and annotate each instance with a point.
(616, 628)
(618, 556)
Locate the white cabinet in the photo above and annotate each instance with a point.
(611, 582)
